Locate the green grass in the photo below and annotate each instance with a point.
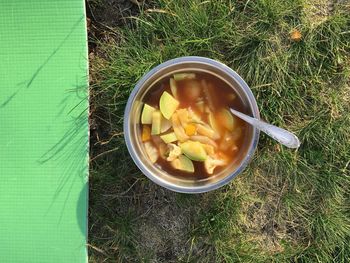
(288, 205)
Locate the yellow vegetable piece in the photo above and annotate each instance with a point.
(182, 76)
(178, 129)
(168, 138)
(183, 117)
(183, 163)
(165, 125)
(156, 122)
(213, 122)
(204, 140)
(226, 119)
(167, 105)
(207, 131)
(194, 117)
(209, 149)
(194, 150)
(146, 116)
(190, 129)
(146, 133)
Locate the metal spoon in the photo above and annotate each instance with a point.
(281, 135)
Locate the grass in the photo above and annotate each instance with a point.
(288, 205)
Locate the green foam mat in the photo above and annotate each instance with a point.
(43, 131)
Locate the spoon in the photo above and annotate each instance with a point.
(281, 135)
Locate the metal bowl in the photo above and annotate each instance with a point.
(132, 124)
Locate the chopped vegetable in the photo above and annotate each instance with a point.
(168, 138)
(200, 106)
(178, 129)
(183, 116)
(146, 117)
(190, 129)
(194, 117)
(208, 95)
(173, 88)
(165, 125)
(168, 105)
(156, 122)
(146, 133)
(174, 151)
(226, 119)
(210, 164)
(213, 123)
(183, 163)
(204, 140)
(163, 150)
(192, 89)
(209, 149)
(194, 150)
(182, 76)
(151, 151)
(205, 130)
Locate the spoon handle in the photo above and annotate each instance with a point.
(281, 135)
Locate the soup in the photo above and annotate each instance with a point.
(186, 126)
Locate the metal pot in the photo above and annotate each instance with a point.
(132, 124)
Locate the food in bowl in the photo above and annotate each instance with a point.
(186, 127)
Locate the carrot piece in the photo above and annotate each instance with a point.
(146, 133)
(190, 129)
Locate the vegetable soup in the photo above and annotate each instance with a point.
(187, 128)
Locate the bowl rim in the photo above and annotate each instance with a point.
(195, 189)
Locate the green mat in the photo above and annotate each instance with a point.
(43, 131)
